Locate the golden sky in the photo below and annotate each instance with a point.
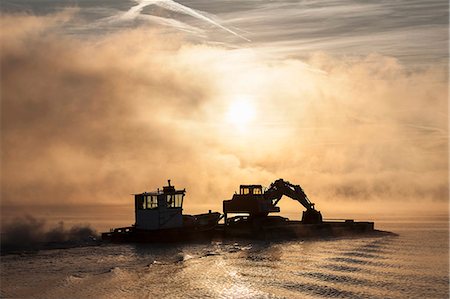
(89, 119)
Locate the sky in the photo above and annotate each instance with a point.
(102, 99)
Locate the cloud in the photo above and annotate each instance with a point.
(136, 12)
(89, 120)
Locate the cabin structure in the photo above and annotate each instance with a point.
(161, 209)
(249, 201)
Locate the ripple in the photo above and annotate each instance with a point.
(335, 278)
(365, 255)
(348, 260)
(326, 291)
(342, 268)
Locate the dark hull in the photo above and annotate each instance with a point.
(288, 230)
(298, 230)
(131, 235)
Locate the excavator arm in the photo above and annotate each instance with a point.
(281, 187)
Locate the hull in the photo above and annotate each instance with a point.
(288, 230)
(298, 230)
(132, 235)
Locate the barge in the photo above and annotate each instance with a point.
(253, 205)
(159, 218)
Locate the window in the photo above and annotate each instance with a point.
(170, 201)
(146, 201)
(179, 200)
(250, 190)
(245, 191)
(152, 201)
(175, 200)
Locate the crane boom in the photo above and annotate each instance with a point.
(281, 187)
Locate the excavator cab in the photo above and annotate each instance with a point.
(251, 201)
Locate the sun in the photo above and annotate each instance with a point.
(241, 112)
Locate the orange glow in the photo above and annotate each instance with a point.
(241, 112)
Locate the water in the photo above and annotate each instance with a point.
(411, 265)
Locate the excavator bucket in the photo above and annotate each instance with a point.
(311, 217)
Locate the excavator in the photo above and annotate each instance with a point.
(258, 203)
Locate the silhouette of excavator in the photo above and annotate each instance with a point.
(255, 202)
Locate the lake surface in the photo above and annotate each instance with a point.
(411, 265)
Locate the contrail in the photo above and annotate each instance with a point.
(135, 11)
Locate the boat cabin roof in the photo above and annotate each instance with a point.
(166, 190)
(159, 192)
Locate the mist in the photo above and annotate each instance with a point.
(30, 233)
(90, 120)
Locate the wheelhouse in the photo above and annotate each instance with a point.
(160, 209)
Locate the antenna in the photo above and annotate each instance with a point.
(168, 182)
